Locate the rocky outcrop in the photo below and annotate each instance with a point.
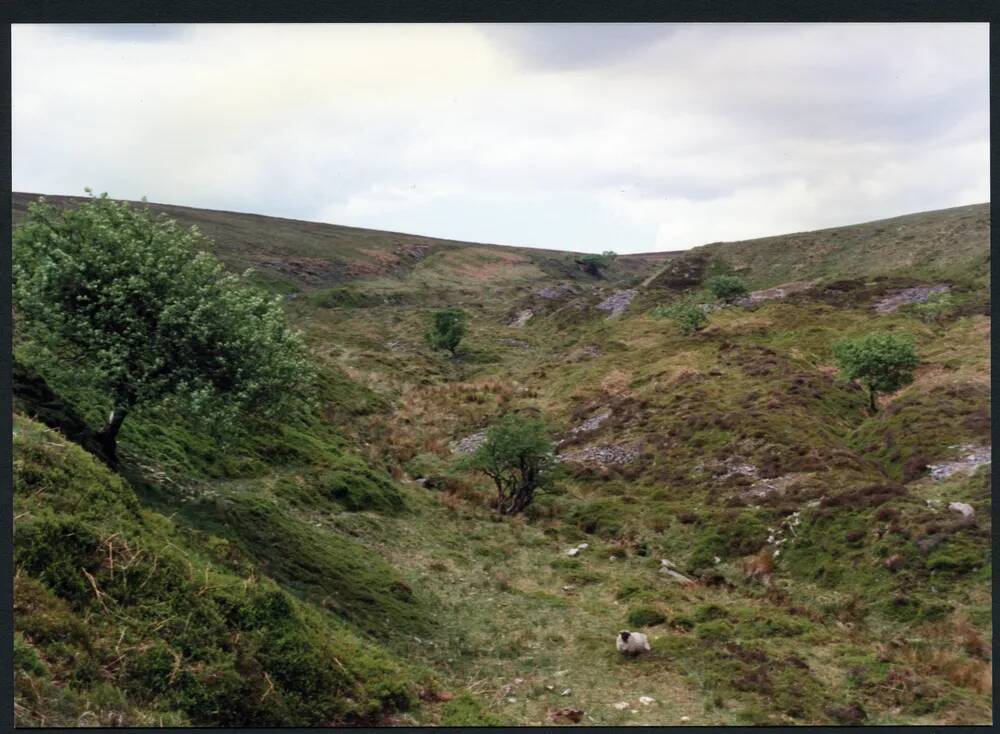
(606, 455)
(470, 443)
(905, 297)
(974, 457)
(556, 292)
(775, 293)
(618, 302)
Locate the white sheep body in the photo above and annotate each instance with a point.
(632, 643)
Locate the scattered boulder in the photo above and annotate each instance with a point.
(469, 444)
(592, 423)
(556, 292)
(606, 455)
(775, 293)
(967, 511)
(975, 456)
(646, 700)
(522, 318)
(905, 297)
(618, 302)
(678, 577)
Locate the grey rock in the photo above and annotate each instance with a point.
(967, 510)
(975, 456)
(469, 444)
(618, 302)
(919, 294)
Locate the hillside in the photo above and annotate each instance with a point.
(683, 454)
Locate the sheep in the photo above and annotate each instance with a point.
(631, 643)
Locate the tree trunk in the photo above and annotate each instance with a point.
(109, 434)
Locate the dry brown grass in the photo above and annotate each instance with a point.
(428, 417)
(615, 383)
(960, 655)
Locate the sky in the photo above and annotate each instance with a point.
(585, 137)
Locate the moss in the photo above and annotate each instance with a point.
(602, 517)
(468, 710)
(718, 629)
(326, 567)
(957, 559)
(166, 630)
(645, 617)
(26, 658)
(730, 535)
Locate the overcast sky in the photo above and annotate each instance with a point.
(584, 137)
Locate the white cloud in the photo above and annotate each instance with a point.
(558, 136)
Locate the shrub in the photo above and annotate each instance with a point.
(686, 313)
(594, 264)
(726, 287)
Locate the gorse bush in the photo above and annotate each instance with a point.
(883, 362)
(137, 300)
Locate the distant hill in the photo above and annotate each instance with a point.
(934, 242)
(314, 254)
(301, 254)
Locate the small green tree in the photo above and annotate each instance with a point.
(883, 362)
(594, 264)
(132, 297)
(689, 315)
(726, 287)
(520, 459)
(447, 329)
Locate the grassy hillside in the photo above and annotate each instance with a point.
(291, 255)
(928, 244)
(311, 540)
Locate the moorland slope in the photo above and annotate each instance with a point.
(344, 570)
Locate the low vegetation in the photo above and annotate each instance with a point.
(689, 315)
